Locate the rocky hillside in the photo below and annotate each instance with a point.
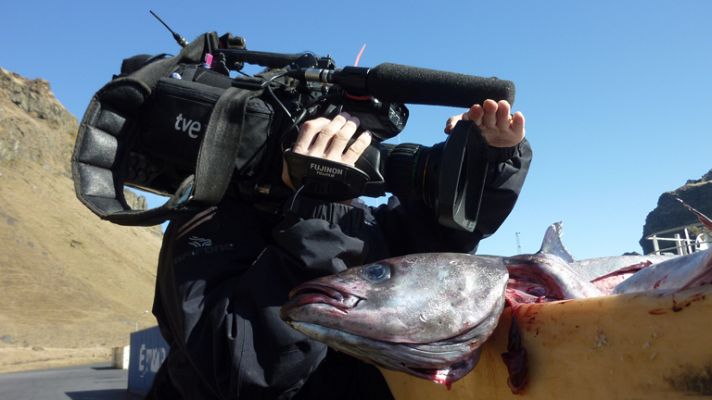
(68, 279)
(669, 213)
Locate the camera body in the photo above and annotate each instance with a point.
(183, 126)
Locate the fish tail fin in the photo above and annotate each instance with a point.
(552, 242)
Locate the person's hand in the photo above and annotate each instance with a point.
(328, 138)
(498, 126)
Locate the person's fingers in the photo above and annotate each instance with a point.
(489, 119)
(518, 124)
(503, 117)
(452, 121)
(307, 132)
(475, 114)
(506, 137)
(336, 146)
(326, 134)
(357, 148)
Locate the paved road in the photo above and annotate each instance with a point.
(91, 382)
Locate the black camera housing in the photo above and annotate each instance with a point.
(182, 126)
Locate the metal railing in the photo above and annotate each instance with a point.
(682, 242)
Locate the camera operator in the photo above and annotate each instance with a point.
(225, 271)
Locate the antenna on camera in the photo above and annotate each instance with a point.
(178, 38)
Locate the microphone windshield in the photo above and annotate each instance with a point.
(405, 84)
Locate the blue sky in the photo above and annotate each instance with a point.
(616, 94)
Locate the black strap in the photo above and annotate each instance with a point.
(216, 157)
(215, 164)
(176, 204)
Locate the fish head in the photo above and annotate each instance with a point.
(426, 313)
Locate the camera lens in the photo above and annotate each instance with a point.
(411, 170)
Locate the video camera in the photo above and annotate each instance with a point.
(191, 127)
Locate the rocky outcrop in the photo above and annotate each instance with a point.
(35, 127)
(669, 213)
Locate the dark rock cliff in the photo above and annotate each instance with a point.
(669, 213)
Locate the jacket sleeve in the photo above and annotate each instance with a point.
(410, 226)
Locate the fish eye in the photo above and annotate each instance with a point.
(377, 272)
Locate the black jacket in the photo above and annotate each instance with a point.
(224, 272)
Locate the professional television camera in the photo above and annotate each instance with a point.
(183, 126)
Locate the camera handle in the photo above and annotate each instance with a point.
(463, 174)
(325, 179)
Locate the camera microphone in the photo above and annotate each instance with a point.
(413, 85)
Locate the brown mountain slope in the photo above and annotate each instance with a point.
(67, 279)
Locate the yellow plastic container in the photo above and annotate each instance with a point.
(639, 346)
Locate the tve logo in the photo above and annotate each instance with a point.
(185, 125)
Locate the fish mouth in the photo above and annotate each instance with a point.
(443, 362)
(311, 293)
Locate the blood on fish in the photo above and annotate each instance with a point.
(516, 360)
(679, 306)
(659, 282)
